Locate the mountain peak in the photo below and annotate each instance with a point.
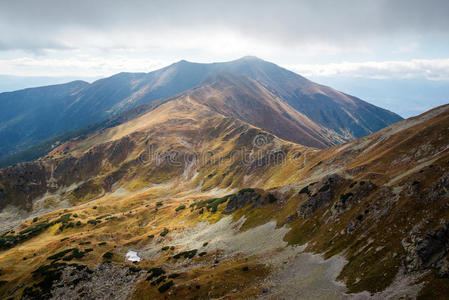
(249, 58)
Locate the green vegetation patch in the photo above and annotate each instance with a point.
(164, 232)
(186, 254)
(74, 253)
(165, 287)
(211, 204)
(181, 207)
(159, 280)
(154, 273)
(10, 240)
(108, 255)
(324, 188)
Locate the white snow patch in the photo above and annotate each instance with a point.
(131, 255)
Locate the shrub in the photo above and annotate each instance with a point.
(211, 204)
(151, 236)
(345, 197)
(305, 190)
(102, 243)
(70, 225)
(164, 232)
(160, 203)
(247, 190)
(108, 255)
(35, 219)
(324, 188)
(155, 272)
(159, 280)
(272, 198)
(94, 222)
(174, 275)
(202, 254)
(165, 248)
(186, 254)
(75, 254)
(352, 184)
(64, 218)
(60, 254)
(135, 269)
(181, 207)
(165, 287)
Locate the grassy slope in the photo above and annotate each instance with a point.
(129, 219)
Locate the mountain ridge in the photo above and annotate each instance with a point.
(178, 176)
(109, 97)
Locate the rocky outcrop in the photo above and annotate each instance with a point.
(73, 281)
(104, 282)
(427, 250)
(21, 183)
(438, 190)
(322, 194)
(358, 192)
(248, 196)
(242, 198)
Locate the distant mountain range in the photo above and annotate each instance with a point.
(313, 114)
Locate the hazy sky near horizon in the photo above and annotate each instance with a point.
(355, 38)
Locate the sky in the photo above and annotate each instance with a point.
(377, 40)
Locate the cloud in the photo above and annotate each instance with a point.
(431, 69)
(81, 66)
(102, 37)
(121, 24)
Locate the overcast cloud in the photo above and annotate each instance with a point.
(381, 38)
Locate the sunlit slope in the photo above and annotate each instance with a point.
(226, 209)
(41, 113)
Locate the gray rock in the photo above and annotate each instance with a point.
(324, 192)
(241, 199)
(357, 194)
(426, 250)
(438, 190)
(442, 267)
(107, 281)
